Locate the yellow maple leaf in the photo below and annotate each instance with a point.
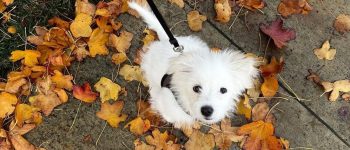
(244, 107)
(108, 90)
(45, 102)
(119, 58)
(62, 81)
(97, 42)
(150, 37)
(62, 95)
(131, 73)
(30, 57)
(121, 42)
(112, 113)
(225, 134)
(158, 139)
(27, 114)
(80, 27)
(195, 20)
(199, 140)
(325, 52)
(336, 87)
(7, 103)
(138, 126)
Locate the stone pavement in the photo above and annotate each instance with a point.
(310, 123)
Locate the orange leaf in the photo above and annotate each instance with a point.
(223, 11)
(102, 22)
(270, 86)
(80, 27)
(251, 4)
(121, 42)
(150, 37)
(7, 102)
(195, 20)
(62, 95)
(112, 113)
(97, 42)
(30, 56)
(288, 7)
(27, 114)
(273, 67)
(138, 126)
(244, 107)
(140, 145)
(84, 93)
(58, 22)
(158, 139)
(62, 81)
(199, 140)
(146, 112)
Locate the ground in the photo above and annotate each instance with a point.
(310, 122)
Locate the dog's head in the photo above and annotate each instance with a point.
(207, 84)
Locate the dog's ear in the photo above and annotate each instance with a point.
(166, 79)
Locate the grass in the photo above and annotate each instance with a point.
(25, 15)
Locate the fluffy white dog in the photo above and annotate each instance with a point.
(198, 84)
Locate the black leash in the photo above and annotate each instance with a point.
(172, 39)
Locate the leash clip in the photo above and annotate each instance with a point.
(179, 49)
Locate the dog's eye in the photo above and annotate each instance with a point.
(223, 90)
(197, 89)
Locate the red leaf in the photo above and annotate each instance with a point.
(278, 34)
(84, 93)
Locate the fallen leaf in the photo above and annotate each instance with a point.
(112, 113)
(244, 108)
(260, 136)
(336, 87)
(138, 126)
(12, 30)
(58, 22)
(27, 114)
(8, 2)
(346, 97)
(140, 145)
(146, 112)
(46, 103)
(15, 136)
(5, 143)
(285, 143)
(7, 103)
(84, 93)
(97, 42)
(223, 11)
(251, 4)
(80, 27)
(225, 134)
(255, 91)
(195, 20)
(119, 58)
(325, 52)
(62, 81)
(14, 86)
(288, 7)
(30, 57)
(108, 90)
(314, 77)
(62, 95)
(279, 35)
(161, 141)
(131, 73)
(260, 112)
(269, 87)
(115, 25)
(83, 6)
(274, 67)
(179, 3)
(81, 53)
(342, 23)
(150, 37)
(122, 42)
(199, 140)
(102, 23)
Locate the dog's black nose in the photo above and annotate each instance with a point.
(207, 111)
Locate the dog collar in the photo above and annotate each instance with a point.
(166, 82)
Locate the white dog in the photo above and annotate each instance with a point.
(198, 84)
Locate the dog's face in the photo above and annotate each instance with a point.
(207, 84)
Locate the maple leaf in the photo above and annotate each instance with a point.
(112, 113)
(83, 6)
(80, 27)
(225, 134)
(260, 134)
(132, 73)
(269, 73)
(46, 102)
(325, 52)
(261, 112)
(58, 22)
(342, 23)
(108, 90)
(195, 20)
(138, 126)
(278, 34)
(244, 108)
(84, 93)
(27, 114)
(30, 57)
(119, 58)
(62, 81)
(336, 87)
(251, 4)
(146, 112)
(274, 67)
(199, 140)
(140, 145)
(288, 7)
(97, 42)
(255, 91)
(122, 42)
(160, 140)
(223, 11)
(7, 103)
(179, 3)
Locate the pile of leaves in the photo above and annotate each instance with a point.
(42, 82)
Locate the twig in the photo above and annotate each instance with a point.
(75, 117)
(267, 45)
(272, 97)
(234, 20)
(99, 136)
(271, 110)
(177, 23)
(126, 146)
(291, 90)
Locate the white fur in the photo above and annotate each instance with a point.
(197, 65)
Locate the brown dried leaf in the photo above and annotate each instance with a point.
(342, 23)
(223, 11)
(195, 20)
